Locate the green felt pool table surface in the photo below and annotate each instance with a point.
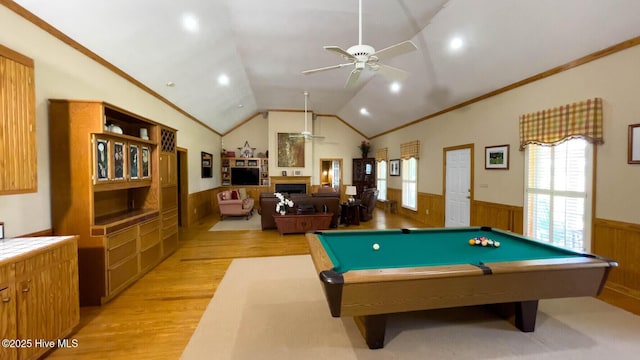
(353, 250)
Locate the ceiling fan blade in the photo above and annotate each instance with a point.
(307, 72)
(341, 52)
(395, 50)
(353, 79)
(391, 72)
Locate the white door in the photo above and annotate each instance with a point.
(458, 188)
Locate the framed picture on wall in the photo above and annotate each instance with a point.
(394, 167)
(207, 164)
(634, 144)
(496, 157)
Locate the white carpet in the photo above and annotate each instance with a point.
(237, 223)
(274, 308)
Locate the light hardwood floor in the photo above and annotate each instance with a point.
(155, 317)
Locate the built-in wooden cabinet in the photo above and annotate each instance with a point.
(254, 168)
(18, 173)
(113, 178)
(39, 295)
(168, 192)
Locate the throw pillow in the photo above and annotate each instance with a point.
(224, 195)
(243, 193)
(234, 195)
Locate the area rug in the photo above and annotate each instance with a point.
(237, 223)
(274, 308)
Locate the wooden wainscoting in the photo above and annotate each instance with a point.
(430, 208)
(500, 216)
(620, 241)
(202, 204)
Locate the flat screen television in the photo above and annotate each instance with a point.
(245, 176)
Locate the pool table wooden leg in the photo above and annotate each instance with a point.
(526, 312)
(372, 328)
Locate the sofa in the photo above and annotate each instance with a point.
(318, 200)
(235, 203)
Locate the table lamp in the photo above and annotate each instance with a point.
(350, 190)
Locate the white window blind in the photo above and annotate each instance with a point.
(558, 193)
(410, 183)
(381, 181)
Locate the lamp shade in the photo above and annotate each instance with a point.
(350, 190)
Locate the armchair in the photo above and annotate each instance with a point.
(368, 203)
(233, 203)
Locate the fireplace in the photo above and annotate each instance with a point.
(292, 188)
(291, 184)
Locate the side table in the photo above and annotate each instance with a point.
(350, 213)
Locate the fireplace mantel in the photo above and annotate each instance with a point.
(290, 180)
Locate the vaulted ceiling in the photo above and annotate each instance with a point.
(263, 46)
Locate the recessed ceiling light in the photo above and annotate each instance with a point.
(223, 79)
(394, 87)
(456, 43)
(240, 106)
(190, 23)
(170, 84)
(364, 111)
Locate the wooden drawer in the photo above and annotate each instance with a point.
(149, 239)
(120, 275)
(169, 244)
(117, 254)
(169, 220)
(7, 273)
(149, 226)
(151, 256)
(122, 237)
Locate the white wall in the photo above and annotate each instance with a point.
(494, 121)
(64, 73)
(340, 141)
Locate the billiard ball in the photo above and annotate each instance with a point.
(496, 244)
(472, 242)
(376, 247)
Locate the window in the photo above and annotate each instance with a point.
(410, 183)
(381, 181)
(558, 193)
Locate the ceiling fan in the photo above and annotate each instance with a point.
(365, 57)
(306, 133)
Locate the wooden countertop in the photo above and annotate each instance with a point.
(14, 249)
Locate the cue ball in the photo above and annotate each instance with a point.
(376, 247)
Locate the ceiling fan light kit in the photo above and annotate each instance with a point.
(364, 57)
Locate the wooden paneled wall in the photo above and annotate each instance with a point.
(500, 216)
(620, 242)
(430, 207)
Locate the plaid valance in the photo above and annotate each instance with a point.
(381, 154)
(582, 119)
(410, 149)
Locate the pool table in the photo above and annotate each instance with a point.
(420, 269)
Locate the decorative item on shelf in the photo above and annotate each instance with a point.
(246, 151)
(365, 146)
(115, 129)
(281, 206)
(144, 133)
(351, 191)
